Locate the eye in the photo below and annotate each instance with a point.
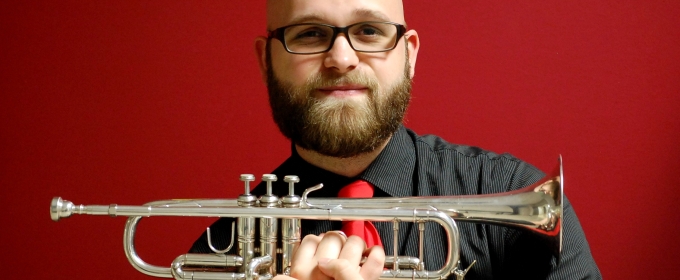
(368, 30)
(307, 38)
(307, 35)
(310, 34)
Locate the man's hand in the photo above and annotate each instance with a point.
(334, 256)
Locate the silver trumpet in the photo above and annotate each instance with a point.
(537, 208)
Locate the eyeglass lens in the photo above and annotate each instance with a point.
(370, 36)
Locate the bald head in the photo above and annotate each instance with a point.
(335, 12)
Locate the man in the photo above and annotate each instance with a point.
(339, 78)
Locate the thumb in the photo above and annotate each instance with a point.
(339, 269)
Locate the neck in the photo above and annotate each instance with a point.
(348, 167)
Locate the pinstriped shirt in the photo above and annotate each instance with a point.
(413, 165)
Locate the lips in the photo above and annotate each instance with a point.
(343, 90)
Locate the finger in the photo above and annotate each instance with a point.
(303, 263)
(307, 249)
(330, 245)
(375, 262)
(283, 277)
(339, 269)
(353, 250)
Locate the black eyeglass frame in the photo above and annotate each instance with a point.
(278, 34)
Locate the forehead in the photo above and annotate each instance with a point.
(335, 12)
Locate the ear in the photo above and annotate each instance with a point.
(261, 53)
(413, 44)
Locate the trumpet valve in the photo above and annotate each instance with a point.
(269, 200)
(247, 199)
(291, 200)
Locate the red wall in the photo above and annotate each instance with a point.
(132, 101)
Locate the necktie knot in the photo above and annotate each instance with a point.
(364, 229)
(358, 189)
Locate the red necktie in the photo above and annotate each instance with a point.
(364, 229)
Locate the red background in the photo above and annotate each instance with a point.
(132, 101)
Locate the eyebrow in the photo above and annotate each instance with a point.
(363, 14)
(306, 18)
(371, 14)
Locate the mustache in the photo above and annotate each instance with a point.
(325, 79)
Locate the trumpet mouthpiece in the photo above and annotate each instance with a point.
(60, 208)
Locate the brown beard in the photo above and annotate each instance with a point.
(338, 127)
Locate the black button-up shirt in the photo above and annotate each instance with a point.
(412, 165)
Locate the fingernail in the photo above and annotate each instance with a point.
(340, 232)
(324, 260)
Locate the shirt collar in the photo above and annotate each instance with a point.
(392, 171)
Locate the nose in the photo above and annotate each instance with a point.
(341, 57)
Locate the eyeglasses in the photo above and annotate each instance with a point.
(311, 38)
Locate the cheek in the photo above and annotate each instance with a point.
(294, 69)
(389, 73)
